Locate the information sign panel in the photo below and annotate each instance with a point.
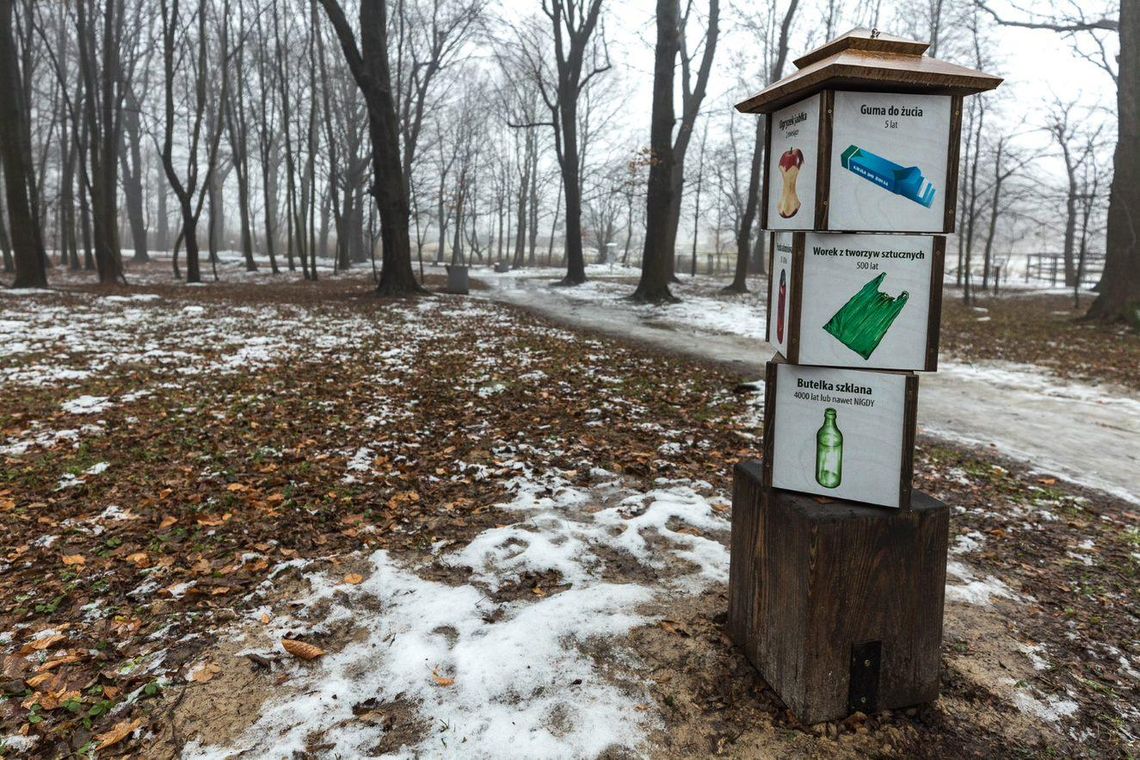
(888, 162)
(793, 165)
(781, 287)
(866, 301)
(843, 433)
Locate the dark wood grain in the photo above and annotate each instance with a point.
(823, 158)
(811, 580)
(934, 317)
(853, 69)
(910, 428)
(795, 310)
(955, 146)
(771, 274)
(767, 172)
(769, 440)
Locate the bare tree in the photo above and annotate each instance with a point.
(697, 200)
(633, 189)
(777, 51)
(237, 126)
(196, 52)
(603, 207)
(694, 84)
(102, 112)
(1005, 166)
(579, 56)
(1119, 297)
(136, 57)
(369, 66)
(27, 246)
(656, 271)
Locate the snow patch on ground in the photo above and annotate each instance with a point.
(725, 314)
(511, 678)
(15, 743)
(71, 480)
(1049, 708)
(87, 405)
(520, 686)
(1036, 654)
(969, 542)
(973, 590)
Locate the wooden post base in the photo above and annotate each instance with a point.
(838, 605)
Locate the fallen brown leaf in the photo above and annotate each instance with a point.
(205, 673)
(302, 649)
(65, 660)
(41, 644)
(122, 730)
(354, 579)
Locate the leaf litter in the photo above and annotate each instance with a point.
(541, 568)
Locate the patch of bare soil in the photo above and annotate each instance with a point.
(228, 692)
(1045, 330)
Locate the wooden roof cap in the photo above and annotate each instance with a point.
(869, 60)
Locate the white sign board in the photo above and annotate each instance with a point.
(865, 300)
(839, 433)
(793, 166)
(889, 156)
(780, 292)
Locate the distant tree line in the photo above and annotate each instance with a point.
(333, 129)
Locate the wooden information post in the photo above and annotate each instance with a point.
(838, 568)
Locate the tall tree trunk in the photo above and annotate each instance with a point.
(283, 84)
(132, 167)
(748, 218)
(533, 242)
(995, 201)
(5, 241)
(162, 234)
(656, 270)
(358, 252)
(692, 95)
(101, 113)
(1119, 297)
(1070, 214)
(972, 210)
(752, 201)
(369, 66)
(572, 190)
(27, 247)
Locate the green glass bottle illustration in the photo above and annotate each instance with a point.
(829, 452)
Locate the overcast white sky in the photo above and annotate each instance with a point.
(1035, 64)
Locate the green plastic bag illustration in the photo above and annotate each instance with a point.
(865, 319)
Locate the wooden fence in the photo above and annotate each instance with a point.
(1051, 266)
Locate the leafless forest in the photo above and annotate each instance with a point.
(271, 486)
(391, 133)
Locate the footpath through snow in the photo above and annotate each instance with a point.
(1072, 430)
